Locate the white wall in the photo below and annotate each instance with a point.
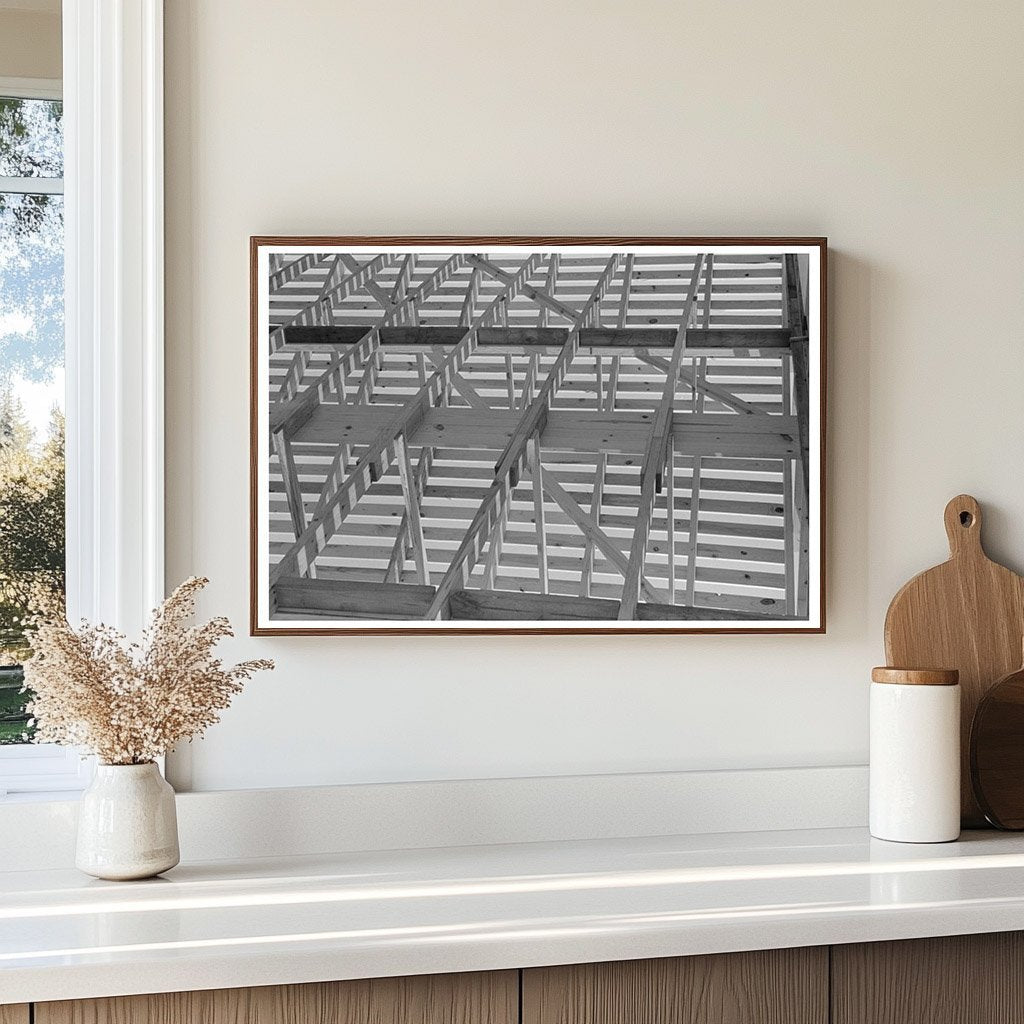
(30, 40)
(895, 129)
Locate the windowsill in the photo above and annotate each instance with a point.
(49, 796)
(301, 919)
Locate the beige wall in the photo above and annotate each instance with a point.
(29, 44)
(895, 129)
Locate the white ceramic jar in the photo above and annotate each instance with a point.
(127, 823)
(915, 755)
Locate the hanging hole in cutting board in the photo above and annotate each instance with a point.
(966, 519)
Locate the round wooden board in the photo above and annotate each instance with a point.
(997, 752)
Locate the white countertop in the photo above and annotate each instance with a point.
(351, 915)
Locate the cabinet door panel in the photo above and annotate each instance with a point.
(960, 979)
(490, 998)
(14, 1014)
(778, 986)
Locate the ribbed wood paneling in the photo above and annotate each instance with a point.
(782, 986)
(485, 998)
(961, 979)
(14, 1014)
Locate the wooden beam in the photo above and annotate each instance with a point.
(512, 606)
(703, 387)
(627, 281)
(803, 552)
(341, 493)
(506, 473)
(670, 519)
(495, 544)
(393, 573)
(291, 415)
(295, 269)
(538, 295)
(537, 473)
(763, 436)
(410, 495)
(715, 340)
(346, 599)
(459, 383)
(535, 415)
(709, 277)
(590, 529)
(339, 464)
(353, 267)
(652, 467)
(801, 387)
(309, 315)
(400, 291)
(293, 378)
(374, 364)
(530, 381)
(550, 285)
(510, 381)
(472, 296)
(790, 526)
(798, 347)
(587, 573)
(613, 384)
(293, 492)
(654, 460)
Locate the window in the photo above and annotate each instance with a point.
(111, 206)
(32, 530)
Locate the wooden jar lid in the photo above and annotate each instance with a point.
(916, 676)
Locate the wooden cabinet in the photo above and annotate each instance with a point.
(778, 986)
(491, 998)
(968, 979)
(962, 979)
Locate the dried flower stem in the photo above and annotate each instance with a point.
(129, 703)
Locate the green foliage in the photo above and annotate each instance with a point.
(32, 546)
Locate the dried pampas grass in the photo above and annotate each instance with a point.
(130, 703)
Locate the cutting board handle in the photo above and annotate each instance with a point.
(963, 526)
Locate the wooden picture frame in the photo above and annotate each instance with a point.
(487, 435)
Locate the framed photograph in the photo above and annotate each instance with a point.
(537, 435)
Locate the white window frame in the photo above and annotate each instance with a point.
(113, 187)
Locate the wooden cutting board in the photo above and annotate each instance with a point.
(967, 614)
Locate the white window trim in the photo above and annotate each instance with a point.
(113, 159)
(32, 88)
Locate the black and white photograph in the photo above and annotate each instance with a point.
(550, 435)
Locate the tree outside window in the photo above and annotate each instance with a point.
(32, 531)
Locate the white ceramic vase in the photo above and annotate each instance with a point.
(127, 825)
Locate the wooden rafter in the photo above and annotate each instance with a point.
(586, 575)
(539, 295)
(537, 474)
(509, 465)
(719, 341)
(340, 494)
(294, 269)
(411, 496)
(353, 266)
(703, 387)
(310, 314)
(652, 467)
(796, 323)
(401, 546)
(590, 529)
